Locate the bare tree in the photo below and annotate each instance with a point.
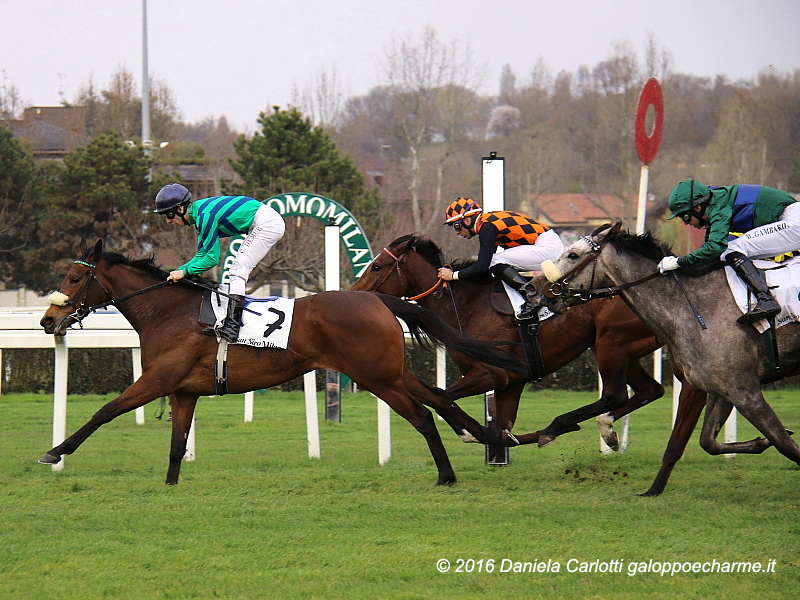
(11, 104)
(738, 150)
(322, 100)
(430, 82)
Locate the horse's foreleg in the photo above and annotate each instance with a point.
(645, 390)
(614, 395)
(506, 404)
(691, 405)
(138, 394)
(182, 412)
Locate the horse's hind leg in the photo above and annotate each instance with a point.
(506, 402)
(182, 412)
(761, 415)
(422, 420)
(717, 411)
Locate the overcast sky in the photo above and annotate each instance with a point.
(237, 57)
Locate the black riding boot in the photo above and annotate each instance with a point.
(766, 306)
(233, 320)
(511, 276)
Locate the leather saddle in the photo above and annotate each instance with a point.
(499, 299)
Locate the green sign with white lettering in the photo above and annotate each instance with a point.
(300, 204)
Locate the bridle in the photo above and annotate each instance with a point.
(82, 308)
(561, 289)
(397, 260)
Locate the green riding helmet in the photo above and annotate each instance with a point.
(686, 195)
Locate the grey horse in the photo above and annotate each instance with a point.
(695, 316)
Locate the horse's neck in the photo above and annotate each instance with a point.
(141, 310)
(457, 301)
(661, 302)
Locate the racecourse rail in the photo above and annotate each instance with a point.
(20, 328)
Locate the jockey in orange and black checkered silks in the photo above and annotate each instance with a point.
(510, 242)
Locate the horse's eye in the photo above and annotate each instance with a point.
(376, 267)
(572, 256)
(74, 279)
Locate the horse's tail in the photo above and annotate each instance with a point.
(425, 325)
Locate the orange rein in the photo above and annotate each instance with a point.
(439, 282)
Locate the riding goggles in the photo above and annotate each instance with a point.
(170, 214)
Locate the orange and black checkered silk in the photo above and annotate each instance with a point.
(514, 229)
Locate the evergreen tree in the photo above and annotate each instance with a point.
(289, 154)
(16, 174)
(101, 192)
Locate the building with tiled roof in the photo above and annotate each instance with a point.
(579, 214)
(52, 131)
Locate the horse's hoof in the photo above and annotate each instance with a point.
(612, 441)
(510, 436)
(546, 439)
(446, 482)
(49, 459)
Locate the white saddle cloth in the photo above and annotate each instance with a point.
(267, 329)
(517, 301)
(783, 280)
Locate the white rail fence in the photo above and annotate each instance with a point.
(19, 328)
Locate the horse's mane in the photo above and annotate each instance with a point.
(430, 251)
(146, 264)
(423, 246)
(648, 246)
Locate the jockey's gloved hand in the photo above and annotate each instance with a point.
(668, 263)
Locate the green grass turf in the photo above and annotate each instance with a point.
(254, 517)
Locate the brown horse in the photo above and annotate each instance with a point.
(408, 268)
(356, 334)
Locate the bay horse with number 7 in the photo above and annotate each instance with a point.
(356, 334)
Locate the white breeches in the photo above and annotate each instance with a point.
(548, 246)
(266, 230)
(771, 239)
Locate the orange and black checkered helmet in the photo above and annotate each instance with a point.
(460, 208)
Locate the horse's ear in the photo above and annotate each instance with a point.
(96, 251)
(602, 232)
(82, 247)
(616, 228)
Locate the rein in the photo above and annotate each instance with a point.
(561, 287)
(440, 283)
(397, 259)
(82, 310)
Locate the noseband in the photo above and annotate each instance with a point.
(82, 308)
